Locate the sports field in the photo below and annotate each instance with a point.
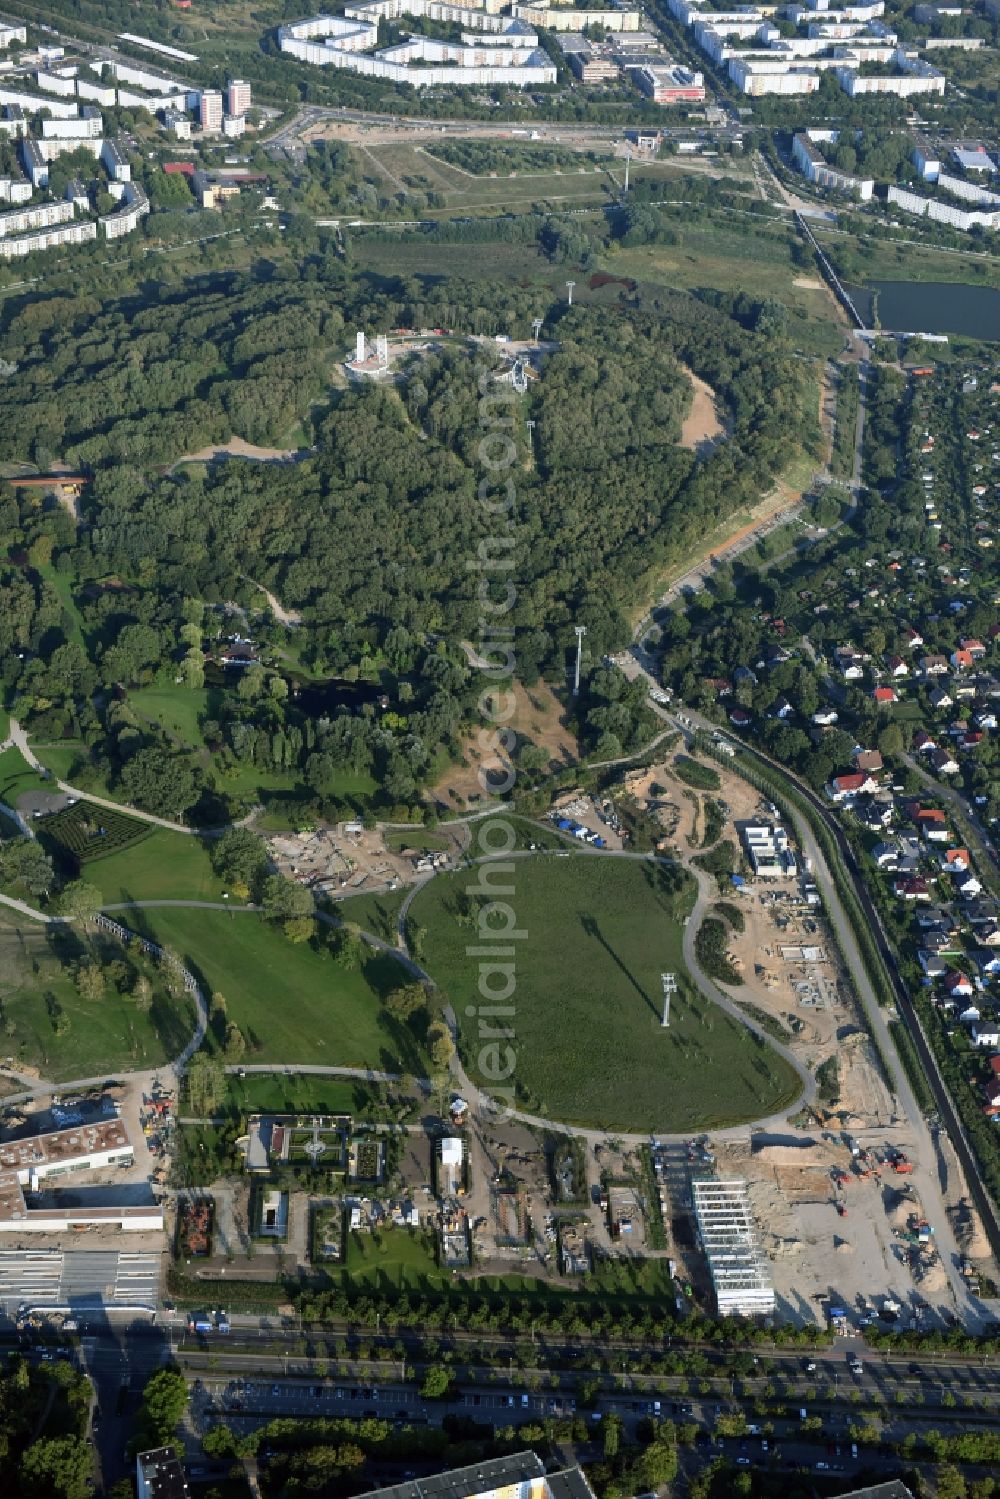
(587, 1005)
(294, 1005)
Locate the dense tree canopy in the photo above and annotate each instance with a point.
(370, 534)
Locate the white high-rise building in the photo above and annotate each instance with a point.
(210, 109)
(237, 97)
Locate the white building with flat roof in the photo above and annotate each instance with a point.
(134, 206)
(13, 123)
(27, 1163)
(35, 163)
(40, 217)
(502, 53)
(15, 190)
(926, 158)
(976, 159)
(738, 1266)
(115, 162)
(238, 97)
(11, 34)
(88, 125)
(210, 109)
(32, 103)
(815, 168)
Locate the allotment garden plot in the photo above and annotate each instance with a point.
(587, 1037)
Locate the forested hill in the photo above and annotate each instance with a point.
(376, 526)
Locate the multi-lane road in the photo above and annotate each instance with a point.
(259, 1373)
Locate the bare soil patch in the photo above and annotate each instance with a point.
(809, 283)
(538, 719)
(286, 617)
(701, 425)
(236, 447)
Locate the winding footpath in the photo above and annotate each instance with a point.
(478, 1098)
(18, 739)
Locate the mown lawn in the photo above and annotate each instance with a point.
(50, 1026)
(405, 1260)
(293, 1004)
(176, 708)
(60, 756)
(17, 776)
(163, 866)
(377, 914)
(301, 1093)
(587, 1005)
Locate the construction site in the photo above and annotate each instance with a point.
(387, 356)
(349, 858)
(847, 1211)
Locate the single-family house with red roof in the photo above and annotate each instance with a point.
(853, 783)
(912, 887)
(884, 695)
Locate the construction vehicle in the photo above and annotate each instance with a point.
(901, 1164)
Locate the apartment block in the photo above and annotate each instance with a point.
(41, 217)
(134, 206)
(238, 97)
(36, 166)
(14, 190)
(115, 162)
(87, 126)
(210, 110)
(815, 168)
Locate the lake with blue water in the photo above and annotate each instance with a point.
(932, 307)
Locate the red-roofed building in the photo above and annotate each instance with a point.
(958, 984)
(975, 648)
(911, 887)
(884, 695)
(961, 660)
(186, 168)
(854, 783)
(955, 860)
